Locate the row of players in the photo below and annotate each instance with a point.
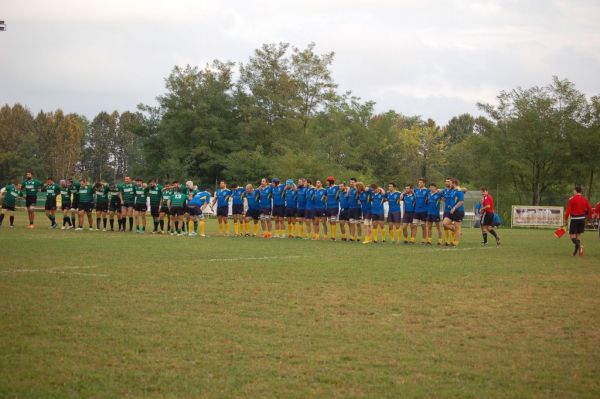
(308, 208)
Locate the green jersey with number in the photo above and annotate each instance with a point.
(86, 193)
(141, 194)
(65, 195)
(166, 196)
(178, 199)
(101, 195)
(155, 194)
(10, 195)
(51, 190)
(75, 189)
(31, 187)
(128, 192)
(114, 197)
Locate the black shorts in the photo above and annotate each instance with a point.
(223, 211)
(177, 211)
(487, 219)
(85, 206)
(50, 205)
(30, 200)
(300, 213)
(65, 205)
(265, 211)
(332, 212)
(354, 214)
(164, 209)
(343, 215)
(253, 213)
(446, 214)
(194, 210)
(8, 207)
(366, 215)
(377, 217)
(319, 213)
(420, 216)
(128, 205)
(408, 217)
(394, 217)
(140, 207)
(457, 216)
(114, 207)
(75, 203)
(154, 210)
(278, 210)
(433, 218)
(237, 209)
(102, 207)
(309, 214)
(577, 226)
(291, 212)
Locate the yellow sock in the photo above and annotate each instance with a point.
(255, 228)
(220, 228)
(398, 234)
(383, 233)
(202, 226)
(412, 239)
(293, 229)
(301, 229)
(235, 228)
(374, 233)
(226, 227)
(334, 231)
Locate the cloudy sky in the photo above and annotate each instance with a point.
(431, 58)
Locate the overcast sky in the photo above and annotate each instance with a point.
(431, 58)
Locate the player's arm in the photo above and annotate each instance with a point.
(458, 204)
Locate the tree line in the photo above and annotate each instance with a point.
(281, 113)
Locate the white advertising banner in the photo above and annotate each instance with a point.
(536, 216)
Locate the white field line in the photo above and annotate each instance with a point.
(252, 258)
(58, 271)
(463, 249)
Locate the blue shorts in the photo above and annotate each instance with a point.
(343, 215)
(394, 217)
(253, 213)
(265, 211)
(223, 211)
(433, 218)
(290, 212)
(420, 216)
(446, 214)
(237, 209)
(354, 214)
(457, 216)
(319, 213)
(366, 215)
(300, 212)
(332, 212)
(408, 217)
(377, 217)
(279, 210)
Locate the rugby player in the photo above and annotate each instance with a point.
(278, 194)
(354, 212)
(408, 197)
(176, 204)
(253, 212)
(101, 193)
(301, 207)
(140, 205)
(52, 190)
(394, 213)
(114, 207)
(127, 200)
(578, 209)
(309, 211)
(378, 197)
(291, 206)
(454, 200)
(9, 195)
(364, 196)
(343, 217)
(65, 205)
(487, 216)
(86, 203)
(320, 204)
(420, 218)
(237, 209)
(222, 200)
(155, 196)
(74, 189)
(265, 201)
(164, 208)
(433, 213)
(197, 203)
(333, 205)
(31, 187)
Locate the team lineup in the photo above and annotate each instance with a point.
(305, 209)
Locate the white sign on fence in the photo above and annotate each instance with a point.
(536, 216)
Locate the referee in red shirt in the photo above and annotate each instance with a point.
(487, 217)
(578, 208)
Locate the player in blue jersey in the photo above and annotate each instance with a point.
(454, 201)
(265, 191)
(309, 211)
(378, 197)
(237, 209)
(354, 211)
(222, 200)
(420, 218)
(332, 205)
(278, 191)
(433, 213)
(253, 212)
(364, 196)
(291, 206)
(196, 206)
(394, 213)
(343, 217)
(320, 206)
(408, 197)
(301, 207)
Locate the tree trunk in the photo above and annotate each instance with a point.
(589, 194)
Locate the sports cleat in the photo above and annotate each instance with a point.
(497, 241)
(11, 227)
(63, 227)
(484, 244)
(581, 250)
(104, 229)
(30, 226)
(91, 229)
(576, 251)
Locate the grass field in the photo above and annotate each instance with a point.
(92, 314)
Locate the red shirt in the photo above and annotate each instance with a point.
(578, 206)
(598, 209)
(488, 200)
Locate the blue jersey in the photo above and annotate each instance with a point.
(393, 201)
(291, 198)
(433, 203)
(377, 200)
(201, 198)
(421, 199)
(353, 199)
(265, 196)
(238, 195)
(320, 198)
(301, 196)
(223, 197)
(448, 194)
(278, 195)
(459, 196)
(409, 202)
(333, 197)
(310, 198)
(365, 201)
(253, 200)
(343, 200)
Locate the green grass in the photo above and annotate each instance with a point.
(94, 314)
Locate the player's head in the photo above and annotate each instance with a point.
(83, 180)
(233, 186)
(484, 190)
(309, 182)
(353, 182)
(360, 187)
(433, 187)
(127, 179)
(342, 185)
(454, 182)
(421, 182)
(112, 187)
(189, 184)
(408, 188)
(263, 182)
(319, 184)
(28, 174)
(289, 183)
(448, 182)
(50, 180)
(275, 181)
(139, 181)
(175, 184)
(152, 183)
(301, 182)
(249, 188)
(392, 186)
(331, 180)
(577, 189)
(374, 187)
(62, 183)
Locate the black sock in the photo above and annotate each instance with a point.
(49, 218)
(72, 222)
(484, 238)
(12, 220)
(130, 223)
(98, 223)
(1, 218)
(104, 222)
(493, 232)
(53, 219)
(162, 225)
(155, 225)
(168, 224)
(112, 224)
(577, 244)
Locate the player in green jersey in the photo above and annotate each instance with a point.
(52, 190)
(31, 187)
(86, 203)
(177, 202)
(8, 196)
(164, 209)
(101, 194)
(127, 197)
(74, 188)
(65, 204)
(140, 206)
(114, 206)
(155, 195)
